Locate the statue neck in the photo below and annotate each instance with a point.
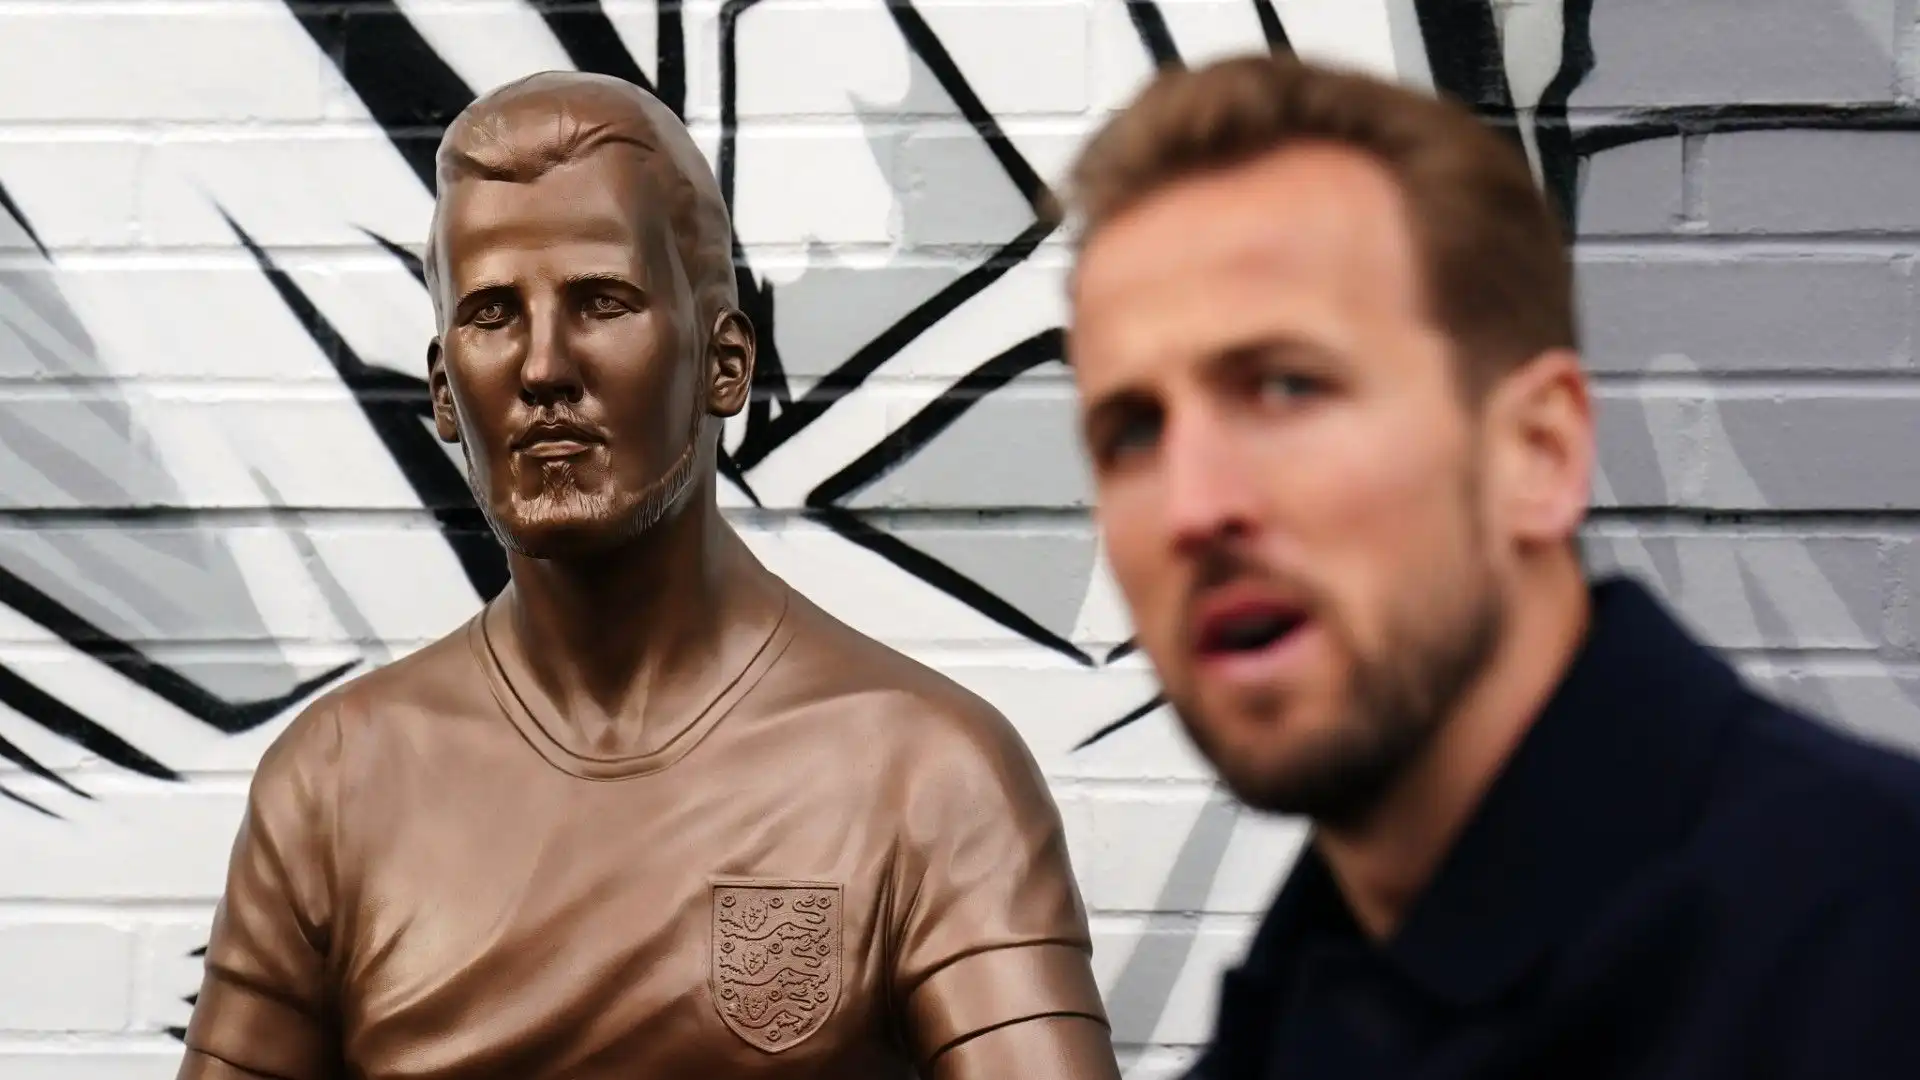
(614, 640)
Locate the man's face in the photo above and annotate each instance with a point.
(1288, 480)
(568, 362)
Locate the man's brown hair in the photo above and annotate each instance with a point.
(524, 129)
(1496, 265)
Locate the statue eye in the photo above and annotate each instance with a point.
(606, 305)
(491, 315)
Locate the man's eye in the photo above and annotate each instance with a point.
(1289, 387)
(1128, 438)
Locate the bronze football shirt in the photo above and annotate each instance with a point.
(845, 864)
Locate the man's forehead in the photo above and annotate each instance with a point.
(615, 189)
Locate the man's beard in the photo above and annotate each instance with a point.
(1431, 654)
(570, 520)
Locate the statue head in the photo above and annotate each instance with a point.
(588, 337)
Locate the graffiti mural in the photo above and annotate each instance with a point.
(210, 226)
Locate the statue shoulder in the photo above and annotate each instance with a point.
(907, 696)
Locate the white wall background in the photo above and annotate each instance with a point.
(211, 340)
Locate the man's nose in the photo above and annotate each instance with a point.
(1210, 487)
(548, 371)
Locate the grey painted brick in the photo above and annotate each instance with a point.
(1881, 706)
(1702, 52)
(1858, 450)
(956, 192)
(1045, 573)
(1638, 444)
(1905, 612)
(1016, 448)
(1759, 592)
(1830, 313)
(1634, 188)
(1812, 181)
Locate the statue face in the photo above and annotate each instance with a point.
(570, 364)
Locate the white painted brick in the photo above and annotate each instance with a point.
(487, 42)
(1020, 56)
(312, 445)
(78, 193)
(849, 197)
(128, 126)
(169, 970)
(1175, 848)
(151, 317)
(1156, 1062)
(104, 1060)
(1141, 963)
(135, 840)
(206, 63)
(64, 976)
(1025, 57)
(167, 188)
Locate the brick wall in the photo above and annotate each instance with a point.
(218, 497)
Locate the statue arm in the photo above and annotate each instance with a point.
(994, 960)
(1052, 1047)
(265, 1007)
(199, 1065)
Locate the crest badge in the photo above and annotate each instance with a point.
(775, 969)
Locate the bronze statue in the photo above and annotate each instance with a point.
(650, 814)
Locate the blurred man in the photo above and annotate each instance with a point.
(1323, 331)
(650, 815)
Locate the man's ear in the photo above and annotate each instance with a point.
(731, 350)
(1541, 420)
(445, 423)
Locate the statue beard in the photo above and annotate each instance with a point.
(568, 520)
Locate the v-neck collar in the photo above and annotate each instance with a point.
(531, 714)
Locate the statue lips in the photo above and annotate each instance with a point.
(556, 439)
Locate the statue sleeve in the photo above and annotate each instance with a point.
(990, 925)
(265, 1007)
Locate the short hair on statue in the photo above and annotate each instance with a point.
(580, 114)
(1495, 256)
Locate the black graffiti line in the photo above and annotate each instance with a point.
(766, 431)
(406, 258)
(1154, 35)
(1271, 27)
(1559, 161)
(399, 422)
(5, 793)
(756, 299)
(922, 40)
(728, 468)
(670, 45)
(67, 722)
(931, 571)
(404, 84)
(835, 385)
(1132, 716)
(730, 15)
(769, 374)
(1673, 121)
(592, 44)
(136, 667)
(26, 761)
(9, 206)
(1122, 651)
(901, 444)
(1468, 62)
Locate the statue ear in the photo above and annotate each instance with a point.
(445, 422)
(730, 355)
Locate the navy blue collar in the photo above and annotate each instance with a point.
(1612, 775)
